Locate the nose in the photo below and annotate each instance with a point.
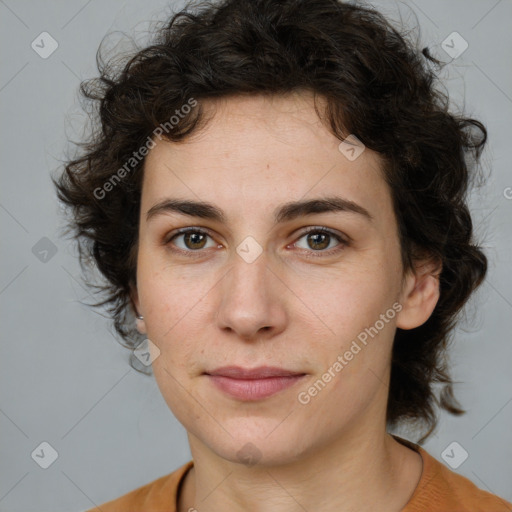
(252, 302)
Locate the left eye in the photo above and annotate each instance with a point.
(319, 239)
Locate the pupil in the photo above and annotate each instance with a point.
(324, 237)
(192, 237)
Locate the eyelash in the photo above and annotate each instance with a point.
(312, 229)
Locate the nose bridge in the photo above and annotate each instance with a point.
(248, 276)
(249, 296)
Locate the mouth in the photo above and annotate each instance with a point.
(253, 384)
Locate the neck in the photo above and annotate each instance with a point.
(358, 472)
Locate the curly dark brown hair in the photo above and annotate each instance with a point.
(376, 83)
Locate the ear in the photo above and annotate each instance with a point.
(420, 293)
(134, 296)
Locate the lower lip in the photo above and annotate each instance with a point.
(253, 389)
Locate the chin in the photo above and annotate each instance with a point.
(263, 445)
(263, 454)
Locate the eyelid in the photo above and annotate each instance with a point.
(181, 231)
(322, 229)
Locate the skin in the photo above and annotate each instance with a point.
(284, 309)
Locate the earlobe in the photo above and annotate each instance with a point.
(420, 295)
(140, 323)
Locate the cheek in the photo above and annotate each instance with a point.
(181, 398)
(169, 295)
(347, 301)
(355, 319)
(175, 323)
(353, 367)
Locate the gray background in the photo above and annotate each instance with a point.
(66, 380)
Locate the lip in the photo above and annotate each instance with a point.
(249, 384)
(261, 372)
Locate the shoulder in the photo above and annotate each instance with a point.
(442, 490)
(159, 495)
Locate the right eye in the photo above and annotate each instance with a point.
(193, 240)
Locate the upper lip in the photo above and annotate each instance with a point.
(262, 372)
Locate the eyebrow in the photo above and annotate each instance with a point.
(286, 212)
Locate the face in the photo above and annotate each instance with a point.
(260, 285)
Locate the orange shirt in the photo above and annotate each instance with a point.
(439, 490)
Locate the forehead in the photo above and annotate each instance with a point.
(257, 152)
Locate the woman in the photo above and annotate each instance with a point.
(277, 200)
